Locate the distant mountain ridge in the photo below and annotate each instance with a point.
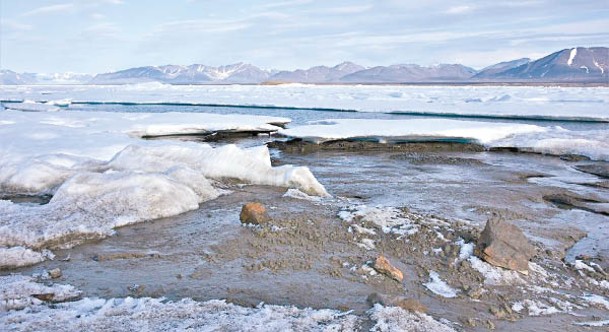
(576, 64)
(580, 65)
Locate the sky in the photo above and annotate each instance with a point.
(95, 36)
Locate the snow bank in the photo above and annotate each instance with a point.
(588, 103)
(408, 130)
(101, 177)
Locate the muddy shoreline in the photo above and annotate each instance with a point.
(309, 257)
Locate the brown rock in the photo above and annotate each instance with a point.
(503, 244)
(382, 265)
(253, 213)
(55, 273)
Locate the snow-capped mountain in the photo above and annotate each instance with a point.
(578, 64)
(193, 74)
(318, 74)
(411, 73)
(493, 70)
(11, 77)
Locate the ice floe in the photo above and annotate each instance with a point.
(593, 144)
(408, 130)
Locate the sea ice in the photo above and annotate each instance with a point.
(573, 103)
(408, 130)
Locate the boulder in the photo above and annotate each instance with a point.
(504, 245)
(253, 213)
(382, 265)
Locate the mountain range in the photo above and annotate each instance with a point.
(577, 65)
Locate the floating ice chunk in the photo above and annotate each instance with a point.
(409, 130)
(438, 286)
(388, 319)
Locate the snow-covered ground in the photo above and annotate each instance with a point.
(590, 103)
(21, 309)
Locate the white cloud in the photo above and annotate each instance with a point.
(204, 25)
(52, 9)
(14, 26)
(458, 10)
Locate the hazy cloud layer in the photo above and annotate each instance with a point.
(104, 35)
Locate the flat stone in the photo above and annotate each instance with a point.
(382, 265)
(504, 245)
(253, 213)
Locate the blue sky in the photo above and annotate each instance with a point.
(94, 36)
